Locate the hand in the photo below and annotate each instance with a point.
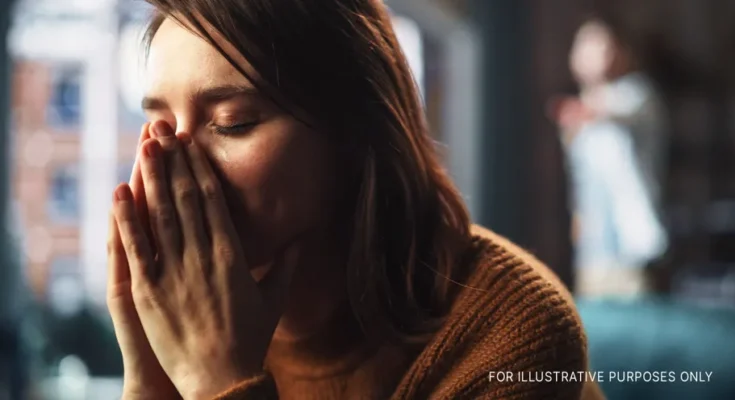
(570, 114)
(207, 320)
(143, 376)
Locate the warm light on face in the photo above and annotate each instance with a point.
(277, 172)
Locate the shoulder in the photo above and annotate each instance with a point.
(512, 316)
(491, 252)
(524, 303)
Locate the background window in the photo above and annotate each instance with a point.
(63, 202)
(64, 108)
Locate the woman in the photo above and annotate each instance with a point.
(289, 231)
(613, 134)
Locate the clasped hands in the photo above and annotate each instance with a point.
(190, 319)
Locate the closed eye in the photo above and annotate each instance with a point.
(232, 130)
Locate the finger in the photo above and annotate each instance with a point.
(216, 214)
(134, 241)
(163, 220)
(136, 179)
(186, 197)
(136, 185)
(128, 329)
(118, 271)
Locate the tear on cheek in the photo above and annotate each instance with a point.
(223, 155)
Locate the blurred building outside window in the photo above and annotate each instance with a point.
(63, 202)
(65, 104)
(66, 81)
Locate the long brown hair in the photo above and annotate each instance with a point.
(339, 62)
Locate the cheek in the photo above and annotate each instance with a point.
(280, 181)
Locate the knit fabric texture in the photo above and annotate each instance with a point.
(512, 317)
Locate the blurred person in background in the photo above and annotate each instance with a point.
(614, 136)
(305, 241)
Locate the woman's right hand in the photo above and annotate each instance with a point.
(144, 378)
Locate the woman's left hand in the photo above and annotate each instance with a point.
(207, 320)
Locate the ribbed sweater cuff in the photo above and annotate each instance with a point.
(260, 387)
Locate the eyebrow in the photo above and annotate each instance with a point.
(210, 95)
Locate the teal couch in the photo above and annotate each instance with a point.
(671, 338)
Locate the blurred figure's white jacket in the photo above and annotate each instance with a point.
(616, 162)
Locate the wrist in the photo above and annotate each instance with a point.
(139, 392)
(212, 385)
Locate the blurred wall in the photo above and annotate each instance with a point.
(5, 14)
(524, 188)
(552, 29)
(9, 271)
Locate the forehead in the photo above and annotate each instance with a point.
(180, 58)
(595, 31)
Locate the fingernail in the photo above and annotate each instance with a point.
(153, 149)
(123, 193)
(185, 138)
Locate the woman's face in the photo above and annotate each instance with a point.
(278, 174)
(592, 54)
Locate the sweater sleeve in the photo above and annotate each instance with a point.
(513, 335)
(260, 387)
